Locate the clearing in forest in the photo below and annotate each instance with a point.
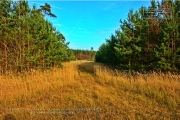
(89, 90)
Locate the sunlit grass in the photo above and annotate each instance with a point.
(88, 90)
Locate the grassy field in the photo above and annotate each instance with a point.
(88, 90)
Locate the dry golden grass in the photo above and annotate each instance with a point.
(88, 90)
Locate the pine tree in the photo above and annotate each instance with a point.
(28, 40)
(147, 40)
(5, 10)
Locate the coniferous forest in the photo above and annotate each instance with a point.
(84, 54)
(28, 40)
(137, 77)
(148, 40)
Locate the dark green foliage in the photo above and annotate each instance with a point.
(102, 54)
(147, 40)
(28, 40)
(107, 52)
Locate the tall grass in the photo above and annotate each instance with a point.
(87, 90)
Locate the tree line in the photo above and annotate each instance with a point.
(148, 40)
(84, 54)
(28, 40)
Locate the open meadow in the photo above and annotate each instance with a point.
(89, 90)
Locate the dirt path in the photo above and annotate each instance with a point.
(87, 90)
(87, 66)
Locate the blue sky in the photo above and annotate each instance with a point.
(87, 24)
